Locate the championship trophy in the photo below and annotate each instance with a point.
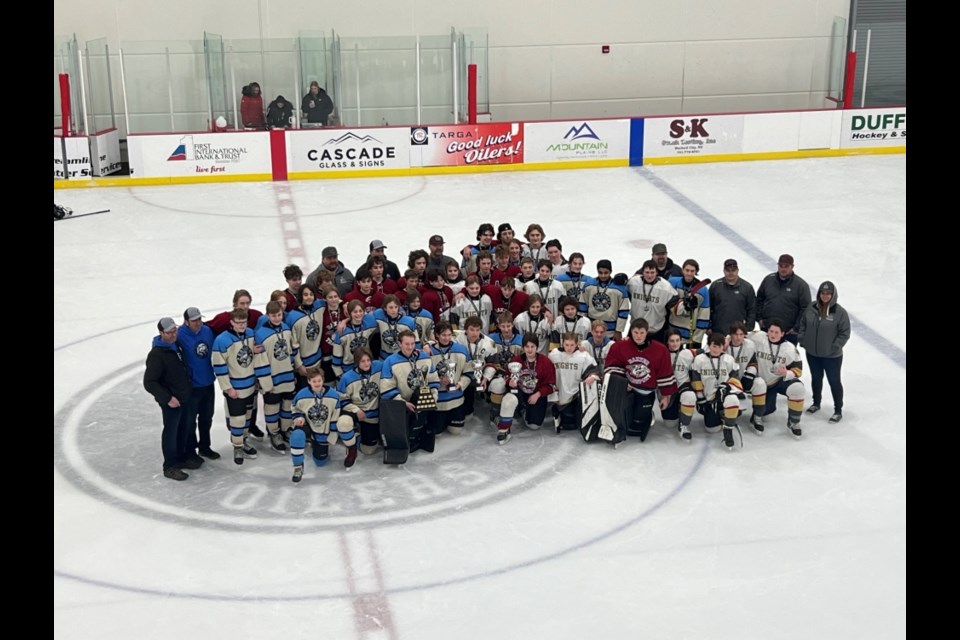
(423, 398)
(477, 372)
(449, 371)
(514, 368)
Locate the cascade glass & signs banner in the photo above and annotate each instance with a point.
(347, 149)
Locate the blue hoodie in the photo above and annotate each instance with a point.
(197, 348)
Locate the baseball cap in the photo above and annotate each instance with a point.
(329, 252)
(166, 324)
(505, 226)
(436, 239)
(377, 244)
(192, 313)
(730, 263)
(659, 248)
(785, 259)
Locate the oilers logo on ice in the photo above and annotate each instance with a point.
(280, 351)
(356, 343)
(202, 350)
(313, 329)
(600, 301)
(244, 356)
(369, 391)
(318, 414)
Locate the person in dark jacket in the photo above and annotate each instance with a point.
(390, 269)
(251, 106)
(330, 261)
(195, 340)
(732, 299)
(316, 105)
(824, 330)
(783, 295)
(167, 381)
(666, 268)
(279, 113)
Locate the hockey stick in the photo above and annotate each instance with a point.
(80, 215)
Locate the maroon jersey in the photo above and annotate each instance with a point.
(331, 320)
(511, 271)
(221, 322)
(436, 301)
(516, 304)
(292, 302)
(386, 286)
(371, 301)
(484, 279)
(540, 375)
(647, 366)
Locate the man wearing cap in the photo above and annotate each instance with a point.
(195, 340)
(390, 269)
(732, 299)
(330, 261)
(784, 295)
(167, 381)
(436, 259)
(666, 268)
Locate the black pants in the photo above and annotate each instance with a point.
(469, 394)
(198, 415)
(830, 366)
(174, 439)
(571, 413)
(641, 414)
(535, 413)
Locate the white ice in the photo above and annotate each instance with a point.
(543, 538)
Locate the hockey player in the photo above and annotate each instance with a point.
(714, 388)
(473, 303)
(534, 321)
(534, 383)
(646, 365)
(436, 297)
(546, 287)
(479, 347)
(222, 321)
(389, 325)
(359, 391)
(572, 367)
(690, 311)
(233, 355)
(316, 417)
(555, 256)
(365, 292)
(419, 315)
(401, 378)
(528, 271)
(293, 274)
(507, 343)
(333, 315)
(381, 283)
(569, 321)
(535, 249)
(598, 344)
(306, 327)
(503, 268)
(573, 280)
(778, 372)
(359, 331)
(681, 359)
(606, 299)
(485, 242)
(454, 278)
(455, 371)
(649, 296)
(504, 297)
(274, 370)
(484, 269)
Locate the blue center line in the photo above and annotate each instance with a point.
(864, 331)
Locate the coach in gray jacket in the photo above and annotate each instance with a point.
(784, 295)
(732, 299)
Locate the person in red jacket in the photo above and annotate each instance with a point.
(529, 388)
(436, 297)
(241, 300)
(505, 297)
(251, 107)
(646, 365)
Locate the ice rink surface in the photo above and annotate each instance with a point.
(545, 537)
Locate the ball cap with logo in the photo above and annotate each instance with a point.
(730, 263)
(377, 244)
(166, 324)
(436, 239)
(659, 248)
(786, 259)
(192, 313)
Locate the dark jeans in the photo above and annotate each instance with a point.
(174, 439)
(198, 417)
(830, 366)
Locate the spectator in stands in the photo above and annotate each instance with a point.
(316, 105)
(279, 113)
(251, 107)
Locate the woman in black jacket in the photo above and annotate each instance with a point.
(824, 330)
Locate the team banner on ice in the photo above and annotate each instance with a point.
(576, 140)
(466, 145)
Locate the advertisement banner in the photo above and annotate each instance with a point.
(347, 149)
(692, 136)
(199, 154)
(874, 128)
(466, 144)
(576, 140)
(105, 149)
(77, 163)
